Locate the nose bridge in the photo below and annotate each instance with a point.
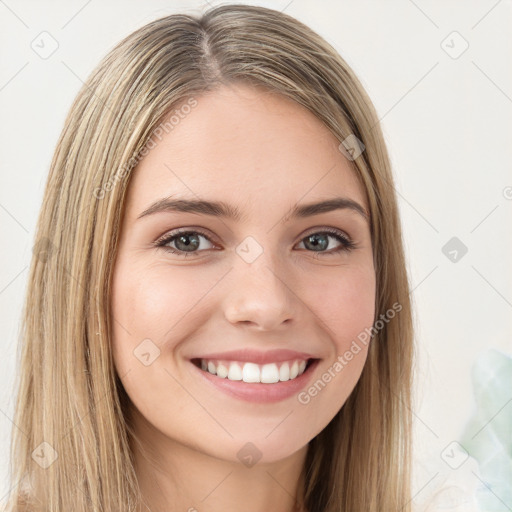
(259, 292)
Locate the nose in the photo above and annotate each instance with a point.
(259, 296)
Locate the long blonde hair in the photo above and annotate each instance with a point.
(71, 446)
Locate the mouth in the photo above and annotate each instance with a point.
(249, 372)
(251, 382)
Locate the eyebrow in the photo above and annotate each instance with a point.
(222, 209)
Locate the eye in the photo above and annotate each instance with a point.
(185, 242)
(319, 241)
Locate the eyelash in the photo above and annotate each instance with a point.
(346, 243)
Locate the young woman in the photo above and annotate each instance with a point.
(218, 314)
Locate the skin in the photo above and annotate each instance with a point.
(262, 153)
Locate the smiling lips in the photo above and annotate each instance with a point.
(254, 366)
(257, 376)
(252, 372)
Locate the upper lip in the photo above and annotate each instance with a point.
(258, 356)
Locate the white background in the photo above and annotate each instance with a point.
(448, 126)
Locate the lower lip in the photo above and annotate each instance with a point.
(257, 391)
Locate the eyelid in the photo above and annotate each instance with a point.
(188, 229)
(326, 229)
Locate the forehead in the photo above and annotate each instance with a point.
(249, 147)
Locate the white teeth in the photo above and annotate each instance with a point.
(284, 372)
(235, 372)
(251, 372)
(269, 373)
(294, 370)
(222, 371)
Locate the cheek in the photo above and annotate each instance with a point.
(152, 302)
(346, 309)
(348, 306)
(153, 309)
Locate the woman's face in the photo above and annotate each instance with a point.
(255, 287)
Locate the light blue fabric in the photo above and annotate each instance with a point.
(488, 434)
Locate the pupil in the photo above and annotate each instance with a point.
(187, 245)
(314, 240)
